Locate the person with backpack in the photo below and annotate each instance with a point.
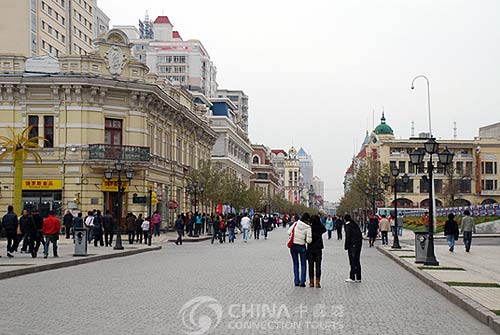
(299, 233)
(222, 229)
(231, 227)
(98, 225)
(353, 243)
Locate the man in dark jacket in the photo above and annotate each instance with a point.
(179, 227)
(68, 223)
(98, 224)
(29, 231)
(339, 223)
(256, 226)
(353, 242)
(107, 222)
(315, 250)
(138, 229)
(38, 221)
(9, 224)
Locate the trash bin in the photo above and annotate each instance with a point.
(421, 244)
(80, 241)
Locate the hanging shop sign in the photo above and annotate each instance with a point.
(112, 185)
(41, 184)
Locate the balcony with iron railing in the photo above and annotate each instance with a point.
(125, 153)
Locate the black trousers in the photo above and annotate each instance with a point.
(256, 233)
(339, 234)
(354, 252)
(131, 235)
(98, 238)
(179, 236)
(108, 237)
(138, 235)
(38, 240)
(12, 242)
(67, 229)
(314, 262)
(215, 235)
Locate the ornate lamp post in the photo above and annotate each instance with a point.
(193, 189)
(108, 174)
(445, 158)
(405, 180)
(374, 190)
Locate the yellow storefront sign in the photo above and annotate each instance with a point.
(42, 184)
(112, 185)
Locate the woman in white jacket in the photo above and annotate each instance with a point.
(302, 234)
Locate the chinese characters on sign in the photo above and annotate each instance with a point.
(42, 184)
(112, 185)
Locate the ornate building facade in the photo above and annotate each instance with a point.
(93, 111)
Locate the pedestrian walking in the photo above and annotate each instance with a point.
(451, 231)
(372, 230)
(222, 229)
(400, 222)
(256, 226)
(146, 228)
(329, 226)
(138, 229)
(68, 223)
(299, 233)
(231, 227)
(315, 251)
(28, 231)
(107, 222)
(245, 227)
(89, 224)
(156, 222)
(98, 229)
(385, 225)
(197, 224)
(38, 221)
(468, 227)
(339, 224)
(179, 227)
(51, 228)
(266, 224)
(353, 243)
(10, 224)
(130, 221)
(216, 229)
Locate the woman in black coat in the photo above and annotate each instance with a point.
(451, 231)
(315, 250)
(372, 230)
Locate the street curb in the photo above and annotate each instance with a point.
(477, 310)
(205, 238)
(73, 262)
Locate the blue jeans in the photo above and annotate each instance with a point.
(299, 251)
(385, 240)
(467, 240)
(451, 241)
(48, 239)
(400, 230)
(231, 235)
(245, 234)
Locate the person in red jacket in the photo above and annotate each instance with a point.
(51, 228)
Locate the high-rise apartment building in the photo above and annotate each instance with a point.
(186, 63)
(240, 100)
(306, 167)
(54, 27)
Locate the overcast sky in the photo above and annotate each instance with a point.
(314, 70)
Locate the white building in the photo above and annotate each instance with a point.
(240, 100)
(306, 167)
(186, 63)
(101, 21)
(319, 187)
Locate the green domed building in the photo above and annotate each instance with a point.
(383, 128)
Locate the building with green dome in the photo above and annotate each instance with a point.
(383, 128)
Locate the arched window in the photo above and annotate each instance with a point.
(255, 160)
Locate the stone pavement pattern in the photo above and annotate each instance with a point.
(143, 294)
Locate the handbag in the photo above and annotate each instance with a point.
(290, 242)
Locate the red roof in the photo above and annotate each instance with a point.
(277, 151)
(162, 19)
(175, 34)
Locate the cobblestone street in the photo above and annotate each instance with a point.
(248, 285)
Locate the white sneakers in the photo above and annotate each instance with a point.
(349, 280)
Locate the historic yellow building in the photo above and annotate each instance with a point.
(94, 111)
(473, 178)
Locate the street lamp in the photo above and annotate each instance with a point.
(446, 158)
(405, 180)
(108, 174)
(193, 189)
(374, 190)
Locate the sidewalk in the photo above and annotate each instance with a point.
(471, 280)
(23, 264)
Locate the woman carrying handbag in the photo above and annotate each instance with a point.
(300, 233)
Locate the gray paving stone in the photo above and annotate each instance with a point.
(144, 294)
